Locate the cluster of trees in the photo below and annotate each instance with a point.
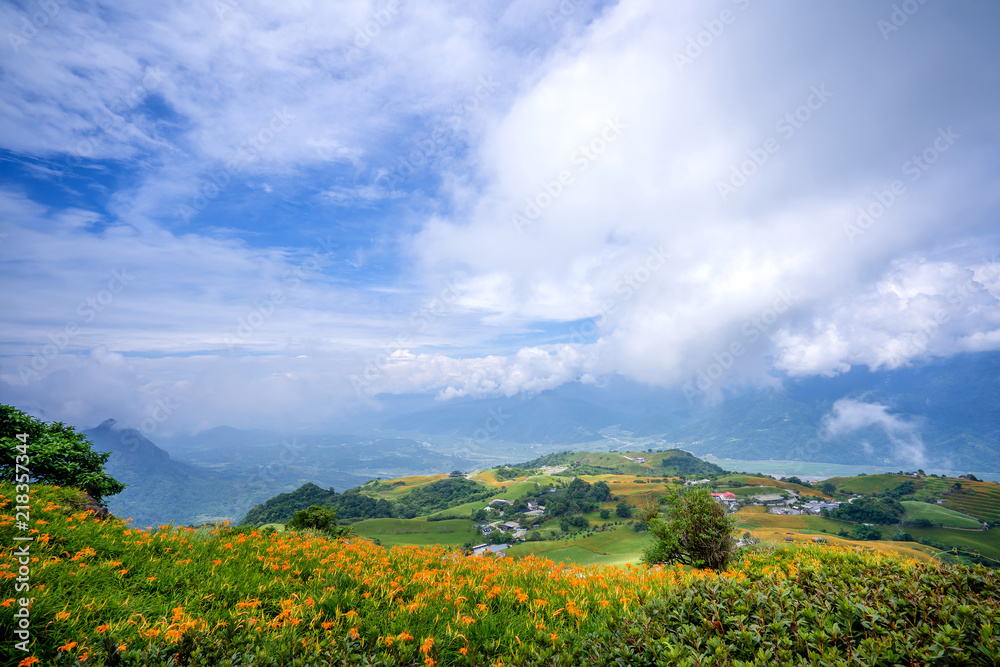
(871, 509)
(318, 517)
(353, 505)
(577, 497)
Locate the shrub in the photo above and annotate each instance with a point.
(317, 517)
(55, 454)
(864, 532)
(697, 531)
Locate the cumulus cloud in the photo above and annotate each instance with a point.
(595, 195)
(531, 369)
(850, 415)
(919, 310)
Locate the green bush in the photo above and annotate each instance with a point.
(54, 454)
(696, 532)
(317, 517)
(863, 532)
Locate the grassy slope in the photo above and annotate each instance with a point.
(638, 491)
(419, 531)
(938, 514)
(978, 499)
(616, 546)
(105, 594)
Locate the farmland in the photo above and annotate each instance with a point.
(109, 594)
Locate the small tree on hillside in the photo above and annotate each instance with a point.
(696, 531)
(54, 453)
(318, 517)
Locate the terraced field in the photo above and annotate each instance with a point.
(938, 515)
(978, 499)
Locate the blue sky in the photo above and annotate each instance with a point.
(271, 214)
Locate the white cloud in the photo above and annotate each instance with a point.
(849, 415)
(531, 369)
(917, 311)
(583, 187)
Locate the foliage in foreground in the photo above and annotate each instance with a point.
(697, 531)
(107, 594)
(56, 454)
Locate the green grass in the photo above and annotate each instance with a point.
(986, 542)
(617, 546)
(107, 595)
(938, 515)
(868, 483)
(420, 531)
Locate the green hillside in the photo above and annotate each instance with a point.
(451, 532)
(938, 515)
(669, 463)
(109, 595)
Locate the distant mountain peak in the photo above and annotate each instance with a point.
(109, 424)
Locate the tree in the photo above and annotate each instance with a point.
(605, 514)
(696, 531)
(55, 454)
(624, 510)
(871, 510)
(865, 532)
(318, 517)
(829, 488)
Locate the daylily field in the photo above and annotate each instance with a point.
(104, 593)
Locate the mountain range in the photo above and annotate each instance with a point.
(941, 415)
